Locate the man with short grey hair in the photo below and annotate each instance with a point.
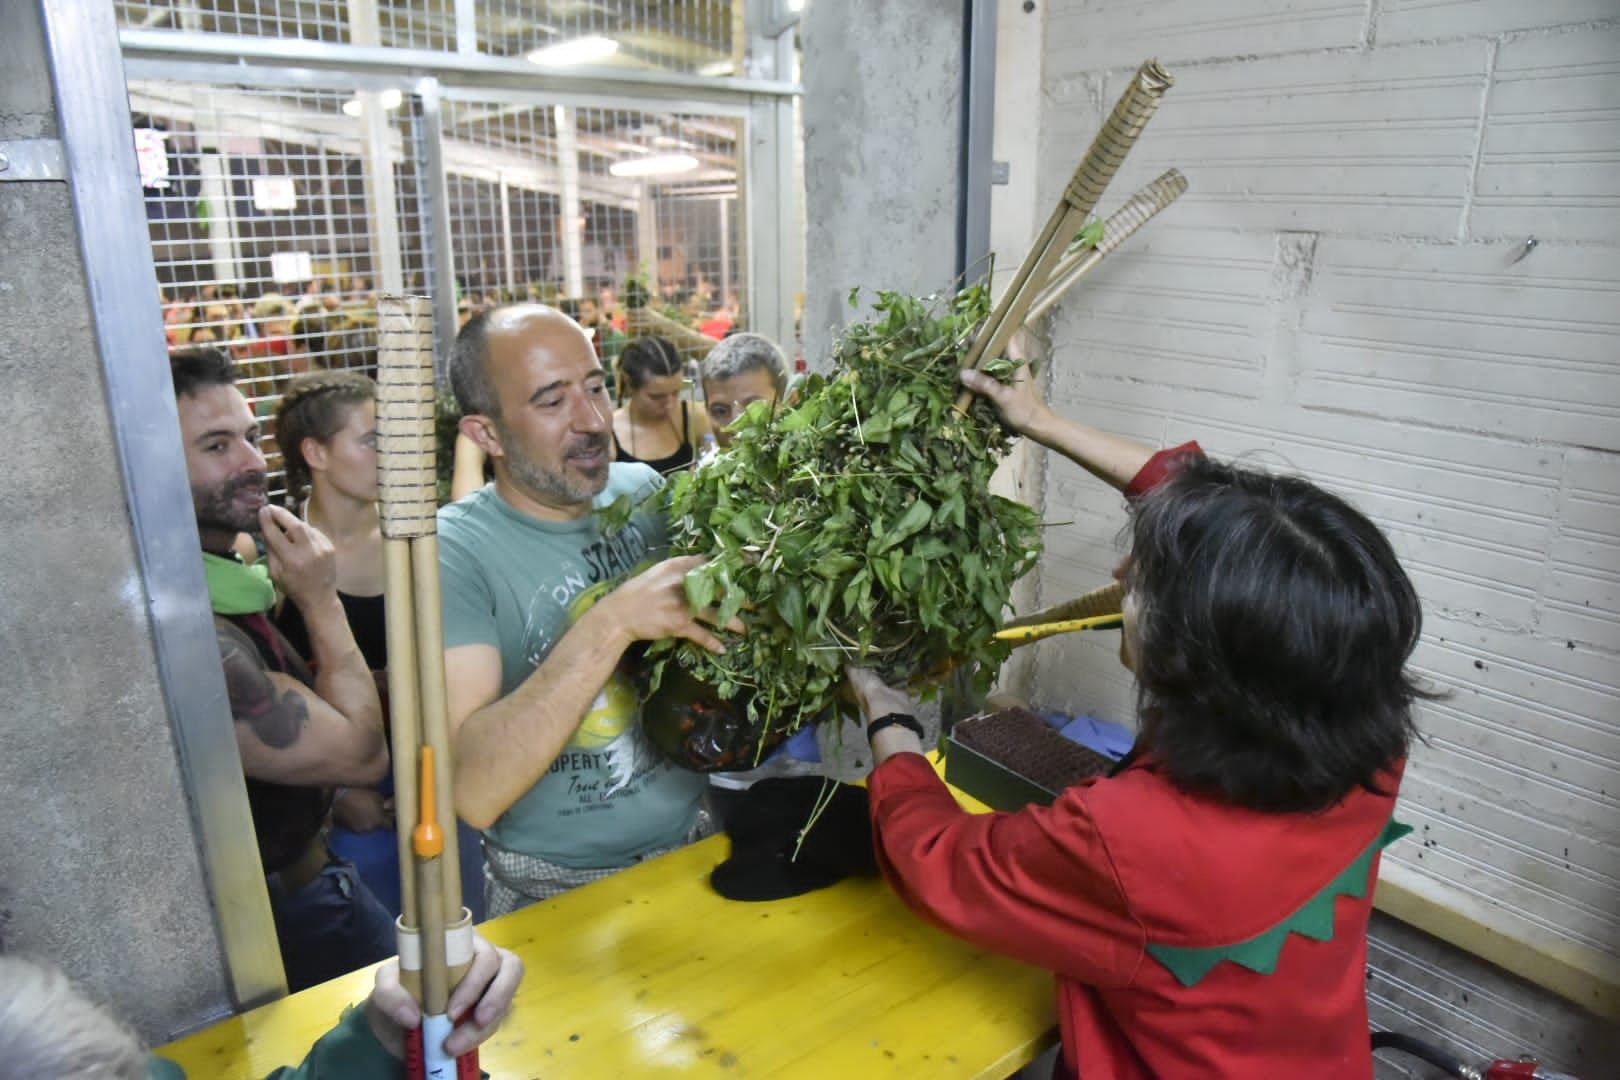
(742, 369)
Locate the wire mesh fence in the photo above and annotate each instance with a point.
(540, 209)
(694, 36)
(273, 211)
(263, 212)
(260, 207)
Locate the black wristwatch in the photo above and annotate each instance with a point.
(894, 719)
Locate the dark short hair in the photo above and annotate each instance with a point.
(647, 358)
(469, 368)
(1274, 625)
(194, 369)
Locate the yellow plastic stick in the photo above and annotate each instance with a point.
(1023, 635)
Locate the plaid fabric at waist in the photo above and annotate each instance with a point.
(513, 880)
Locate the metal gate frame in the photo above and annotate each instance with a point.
(772, 254)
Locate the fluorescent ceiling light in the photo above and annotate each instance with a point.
(717, 68)
(390, 99)
(654, 165)
(585, 50)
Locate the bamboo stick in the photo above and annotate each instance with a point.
(430, 879)
(1121, 224)
(1107, 600)
(404, 707)
(1091, 178)
(435, 706)
(427, 842)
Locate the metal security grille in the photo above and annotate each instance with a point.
(693, 36)
(697, 36)
(260, 209)
(311, 20)
(537, 212)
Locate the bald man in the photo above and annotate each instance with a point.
(540, 602)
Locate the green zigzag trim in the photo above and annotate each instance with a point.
(1314, 920)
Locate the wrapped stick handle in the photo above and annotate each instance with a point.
(1096, 170)
(1121, 224)
(407, 478)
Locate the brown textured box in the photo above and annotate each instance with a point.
(1011, 758)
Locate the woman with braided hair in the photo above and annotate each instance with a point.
(326, 425)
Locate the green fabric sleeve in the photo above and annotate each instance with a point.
(348, 1052)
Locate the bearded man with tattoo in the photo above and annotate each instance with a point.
(304, 725)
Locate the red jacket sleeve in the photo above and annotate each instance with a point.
(1160, 467)
(1037, 885)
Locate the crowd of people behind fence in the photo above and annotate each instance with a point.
(333, 323)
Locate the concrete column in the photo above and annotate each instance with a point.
(215, 193)
(647, 235)
(99, 869)
(573, 234)
(508, 255)
(882, 128)
(377, 162)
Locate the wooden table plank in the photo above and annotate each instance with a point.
(650, 972)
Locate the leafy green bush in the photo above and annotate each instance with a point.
(856, 526)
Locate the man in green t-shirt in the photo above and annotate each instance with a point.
(541, 599)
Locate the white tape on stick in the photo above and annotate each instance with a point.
(436, 1029)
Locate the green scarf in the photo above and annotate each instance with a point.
(235, 589)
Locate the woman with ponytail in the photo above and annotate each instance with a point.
(655, 425)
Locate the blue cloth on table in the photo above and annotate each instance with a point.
(1107, 738)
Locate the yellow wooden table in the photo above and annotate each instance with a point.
(652, 973)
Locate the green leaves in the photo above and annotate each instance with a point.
(1090, 234)
(857, 526)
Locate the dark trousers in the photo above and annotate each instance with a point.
(330, 927)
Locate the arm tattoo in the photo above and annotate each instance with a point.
(276, 718)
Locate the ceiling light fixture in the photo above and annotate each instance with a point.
(654, 165)
(390, 99)
(590, 49)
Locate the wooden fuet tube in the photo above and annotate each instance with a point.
(1138, 210)
(1096, 170)
(434, 930)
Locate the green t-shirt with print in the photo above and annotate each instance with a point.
(518, 584)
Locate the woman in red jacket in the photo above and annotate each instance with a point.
(1205, 907)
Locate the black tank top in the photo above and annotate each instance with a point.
(365, 617)
(683, 456)
(286, 819)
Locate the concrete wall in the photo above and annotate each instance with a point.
(882, 119)
(98, 866)
(1339, 294)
